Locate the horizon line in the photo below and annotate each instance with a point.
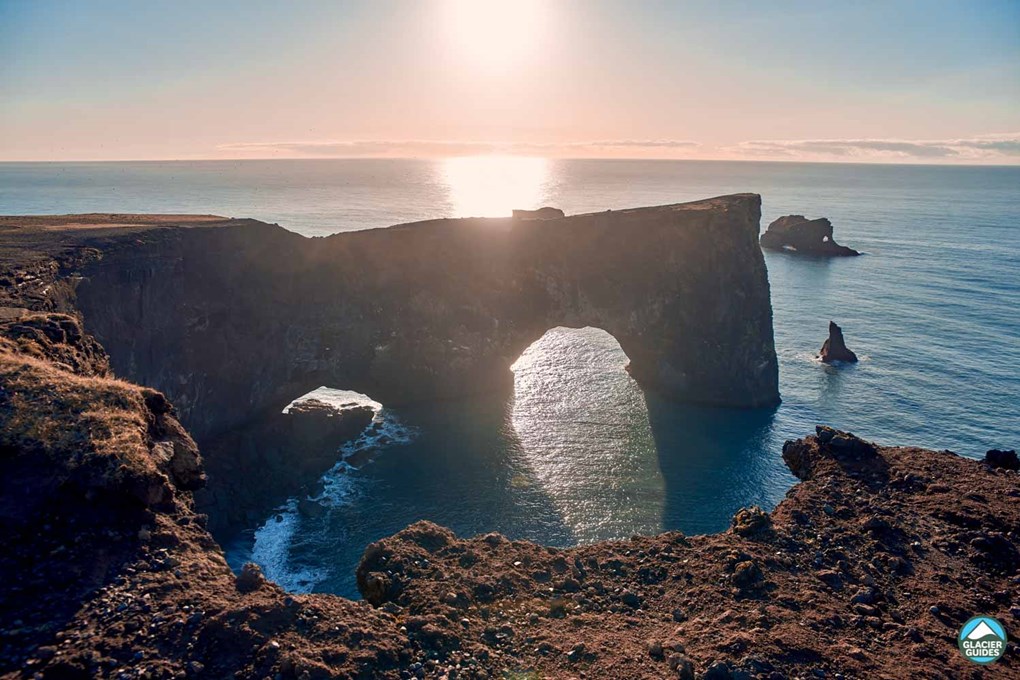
(962, 163)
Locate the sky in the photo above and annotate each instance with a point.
(886, 81)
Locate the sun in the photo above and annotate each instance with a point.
(495, 35)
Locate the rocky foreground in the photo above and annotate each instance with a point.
(866, 570)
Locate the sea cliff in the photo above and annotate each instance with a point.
(234, 317)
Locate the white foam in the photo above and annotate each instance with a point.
(275, 539)
(385, 430)
(271, 552)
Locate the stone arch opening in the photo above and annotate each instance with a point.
(582, 424)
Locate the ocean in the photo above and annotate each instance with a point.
(580, 452)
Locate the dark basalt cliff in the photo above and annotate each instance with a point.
(233, 318)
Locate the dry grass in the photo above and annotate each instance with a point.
(24, 347)
(45, 408)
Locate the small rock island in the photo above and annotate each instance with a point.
(835, 349)
(545, 213)
(801, 235)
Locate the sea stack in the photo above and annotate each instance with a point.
(545, 213)
(835, 349)
(799, 234)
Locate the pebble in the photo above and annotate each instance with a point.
(717, 671)
(630, 599)
(684, 668)
(863, 596)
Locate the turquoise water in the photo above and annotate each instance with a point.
(580, 453)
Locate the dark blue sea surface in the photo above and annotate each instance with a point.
(580, 452)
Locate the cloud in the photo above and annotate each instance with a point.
(361, 148)
(980, 148)
(641, 143)
(414, 148)
(1001, 148)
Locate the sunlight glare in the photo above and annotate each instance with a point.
(492, 186)
(495, 35)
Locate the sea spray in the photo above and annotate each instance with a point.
(275, 541)
(271, 551)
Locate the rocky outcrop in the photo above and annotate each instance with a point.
(108, 572)
(878, 548)
(254, 469)
(54, 337)
(834, 348)
(80, 432)
(234, 318)
(1006, 460)
(799, 234)
(546, 213)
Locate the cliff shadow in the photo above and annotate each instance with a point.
(618, 459)
(63, 545)
(715, 461)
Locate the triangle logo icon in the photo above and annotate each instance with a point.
(980, 631)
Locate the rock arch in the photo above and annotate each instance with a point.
(232, 317)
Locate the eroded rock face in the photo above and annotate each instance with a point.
(834, 348)
(1006, 460)
(236, 317)
(55, 337)
(799, 234)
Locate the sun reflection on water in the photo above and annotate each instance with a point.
(585, 437)
(493, 186)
